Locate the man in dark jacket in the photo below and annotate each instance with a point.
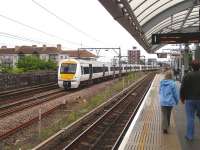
(190, 95)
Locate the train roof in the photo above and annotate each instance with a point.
(84, 61)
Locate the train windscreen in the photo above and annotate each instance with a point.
(68, 68)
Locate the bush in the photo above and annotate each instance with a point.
(31, 63)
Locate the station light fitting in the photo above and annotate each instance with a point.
(118, 1)
(120, 5)
(129, 18)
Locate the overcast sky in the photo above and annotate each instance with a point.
(85, 24)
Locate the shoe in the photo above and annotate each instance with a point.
(165, 131)
(188, 139)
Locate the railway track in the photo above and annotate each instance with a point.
(103, 126)
(105, 131)
(10, 96)
(14, 108)
(37, 99)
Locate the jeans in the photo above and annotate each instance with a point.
(191, 106)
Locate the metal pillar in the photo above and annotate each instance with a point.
(120, 66)
(186, 58)
(196, 52)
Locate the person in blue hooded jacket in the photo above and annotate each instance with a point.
(168, 98)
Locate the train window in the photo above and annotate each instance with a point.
(86, 70)
(68, 68)
(106, 69)
(97, 69)
(82, 71)
(112, 68)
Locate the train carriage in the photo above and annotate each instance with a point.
(73, 72)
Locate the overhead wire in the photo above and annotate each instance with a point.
(12, 36)
(66, 22)
(4, 34)
(38, 30)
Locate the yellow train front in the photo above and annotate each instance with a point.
(69, 74)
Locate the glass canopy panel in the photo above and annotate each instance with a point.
(146, 5)
(160, 24)
(136, 3)
(193, 17)
(194, 13)
(196, 8)
(176, 25)
(179, 18)
(151, 8)
(165, 26)
(166, 30)
(161, 9)
(181, 13)
(191, 22)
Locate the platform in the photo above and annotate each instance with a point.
(145, 131)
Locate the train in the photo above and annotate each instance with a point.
(74, 72)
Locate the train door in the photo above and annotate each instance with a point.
(104, 70)
(90, 71)
(114, 71)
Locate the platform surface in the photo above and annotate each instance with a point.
(145, 131)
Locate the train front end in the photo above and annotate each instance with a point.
(68, 77)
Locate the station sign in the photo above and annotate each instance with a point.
(176, 38)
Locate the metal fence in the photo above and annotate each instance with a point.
(12, 81)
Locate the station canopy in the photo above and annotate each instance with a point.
(142, 18)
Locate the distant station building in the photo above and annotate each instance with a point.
(133, 56)
(10, 56)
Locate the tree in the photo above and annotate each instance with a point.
(30, 63)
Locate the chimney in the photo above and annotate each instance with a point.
(4, 47)
(17, 48)
(34, 46)
(44, 47)
(59, 47)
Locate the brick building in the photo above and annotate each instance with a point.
(10, 56)
(133, 56)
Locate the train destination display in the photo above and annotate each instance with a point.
(176, 38)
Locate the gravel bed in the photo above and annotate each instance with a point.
(12, 121)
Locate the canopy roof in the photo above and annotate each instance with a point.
(142, 18)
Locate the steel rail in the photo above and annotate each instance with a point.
(77, 141)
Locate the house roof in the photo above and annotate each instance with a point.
(7, 50)
(80, 53)
(29, 50)
(39, 50)
(46, 50)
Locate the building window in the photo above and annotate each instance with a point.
(21, 55)
(52, 57)
(36, 54)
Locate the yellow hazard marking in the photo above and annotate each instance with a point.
(67, 76)
(69, 62)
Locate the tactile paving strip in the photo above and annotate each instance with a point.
(147, 133)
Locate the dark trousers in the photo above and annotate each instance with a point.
(166, 113)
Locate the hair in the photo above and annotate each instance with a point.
(168, 74)
(195, 65)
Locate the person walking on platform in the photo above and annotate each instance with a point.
(168, 98)
(190, 95)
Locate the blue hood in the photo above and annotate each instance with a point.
(168, 93)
